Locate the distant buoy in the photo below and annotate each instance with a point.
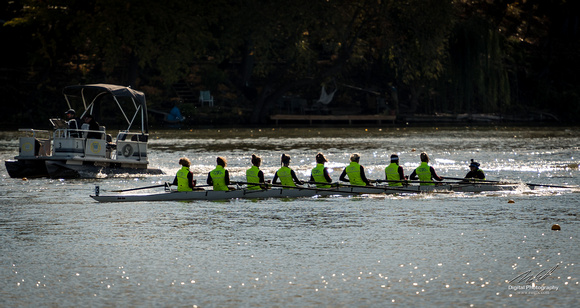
(24, 179)
(556, 227)
(511, 201)
(413, 150)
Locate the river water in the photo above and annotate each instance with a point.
(59, 248)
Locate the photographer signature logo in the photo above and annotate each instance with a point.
(531, 279)
(527, 277)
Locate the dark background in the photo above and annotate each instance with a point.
(515, 59)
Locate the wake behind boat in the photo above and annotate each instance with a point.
(83, 153)
(300, 192)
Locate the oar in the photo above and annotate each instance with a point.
(154, 186)
(409, 181)
(146, 187)
(384, 188)
(322, 183)
(295, 187)
(475, 181)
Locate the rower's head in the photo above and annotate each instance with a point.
(285, 159)
(320, 159)
(424, 157)
(184, 161)
(474, 165)
(222, 161)
(256, 160)
(394, 158)
(355, 157)
(70, 113)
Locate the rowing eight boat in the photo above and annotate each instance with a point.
(302, 192)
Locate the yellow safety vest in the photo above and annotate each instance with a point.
(318, 175)
(182, 180)
(252, 177)
(392, 174)
(353, 172)
(424, 174)
(285, 175)
(218, 178)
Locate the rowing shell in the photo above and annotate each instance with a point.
(300, 192)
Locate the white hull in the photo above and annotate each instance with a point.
(299, 192)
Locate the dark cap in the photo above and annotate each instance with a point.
(71, 111)
(474, 164)
(88, 116)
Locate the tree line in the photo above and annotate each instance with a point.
(422, 56)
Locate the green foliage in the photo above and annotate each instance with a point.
(461, 56)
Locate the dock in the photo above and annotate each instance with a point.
(379, 118)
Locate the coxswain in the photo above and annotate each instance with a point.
(184, 177)
(287, 176)
(394, 174)
(319, 174)
(219, 177)
(254, 174)
(424, 172)
(475, 172)
(355, 172)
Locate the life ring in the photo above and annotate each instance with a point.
(127, 150)
(27, 147)
(95, 147)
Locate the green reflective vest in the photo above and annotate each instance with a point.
(285, 175)
(424, 174)
(353, 172)
(182, 180)
(218, 178)
(392, 174)
(252, 177)
(318, 175)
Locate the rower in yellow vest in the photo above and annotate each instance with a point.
(425, 173)
(184, 178)
(394, 173)
(287, 176)
(219, 177)
(254, 174)
(355, 172)
(319, 174)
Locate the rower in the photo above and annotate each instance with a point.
(394, 173)
(287, 176)
(355, 172)
(184, 177)
(425, 172)
(219, 177)
(319, 174)
(254, 174)
(475, 172)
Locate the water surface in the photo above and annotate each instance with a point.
(60, 248)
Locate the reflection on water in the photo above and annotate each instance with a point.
(59, 248)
